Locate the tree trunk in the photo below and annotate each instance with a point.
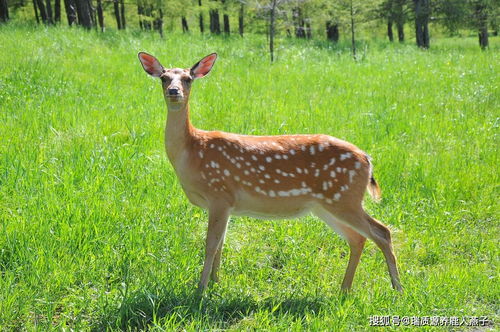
(200, 18)
(4, 11)
(227, 30)
(50, 18)
(271, 29)
(214, 21)
(160, 23)
(84, 12)
(57, 11)
(100, 15)
(482, 23)
(308, 30)
(116, 7)
(401, 32)
(422, 12)
(332, 32)
(389, 31)
(399, 17)
(185, 27)
(353, 40)
(240, 19)
(42, 10)
(36, 12)
(140, 11)
(70, 11)
(298, 23)
(122, 15)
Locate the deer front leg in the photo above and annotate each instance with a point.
(218, 217)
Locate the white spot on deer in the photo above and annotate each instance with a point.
(262, 168)
(236, 178)
(200, 153)
(344, 170)
(345, 155)
(247, 163)
(203, 176)
(299, 170)
(277, 156)
(257, 189)
(246, 172)
(295, 192)
(238, 165)
(316, 172)
(330, 184)
(357, 165)
(226, 172)
(267, 176)
(262, 181)
(213, 164)
(303, 148)
(269, 159)
(332, 161)
(252, 170)
(278, 171)
(219, 148)
(351, 175)
(339, 169)
(254, 157)
(217, 171)
(332, 174)
(325, 167)
(212, 146)
(321, 147)
(283, 193)
(292, 151)
(232, 160)
(285, 174)
(329, 201)
(276, 181)
(325, 186)
(336, 196)
(285, 157)
(320, 196)
(304, 184)
(311, 150)
(313, 164)
(272, 193)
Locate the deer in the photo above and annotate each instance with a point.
(276, 177)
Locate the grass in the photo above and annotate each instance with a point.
(97, 234)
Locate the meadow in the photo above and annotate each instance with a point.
(96, 233)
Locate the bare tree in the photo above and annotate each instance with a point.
(270, 10)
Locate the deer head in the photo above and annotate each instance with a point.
(176, 82)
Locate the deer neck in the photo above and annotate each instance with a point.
(178, 131)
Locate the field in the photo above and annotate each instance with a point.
(97, 234)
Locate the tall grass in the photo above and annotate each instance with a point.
(97, 234)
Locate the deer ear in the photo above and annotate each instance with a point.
(150, 64)
(203, 67)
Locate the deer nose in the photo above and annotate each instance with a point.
(173, 91)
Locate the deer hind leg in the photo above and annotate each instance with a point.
(356, 243)
(218, 255)
(218, 218)
(373, 229)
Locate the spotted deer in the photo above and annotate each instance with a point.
(267, 176)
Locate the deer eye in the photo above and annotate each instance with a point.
(165, 79)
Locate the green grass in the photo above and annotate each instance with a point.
(97, 234)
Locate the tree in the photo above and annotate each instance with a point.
(4, 11)
(70, 11)
(422, 13)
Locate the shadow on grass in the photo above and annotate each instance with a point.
(212, 310)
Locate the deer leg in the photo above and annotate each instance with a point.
(215, 267)
(356, 243)
(371, 228)
(217, 223)
(381, 235)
